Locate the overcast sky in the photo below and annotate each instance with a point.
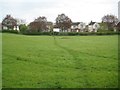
(77, 10)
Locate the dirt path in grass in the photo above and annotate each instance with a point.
(72, 53)
(69, 51)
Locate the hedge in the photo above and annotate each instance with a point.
(9, 31)
(71, 33)
(27, 32)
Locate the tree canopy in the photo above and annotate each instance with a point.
(63, 22)
(39, 24)
(23, 28)
(111, 21)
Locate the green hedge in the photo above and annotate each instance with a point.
(85, 33)
(71, 33)
(9, 31)
(27, 32)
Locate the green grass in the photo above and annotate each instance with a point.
(60, 61)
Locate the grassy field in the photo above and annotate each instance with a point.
(60, 61)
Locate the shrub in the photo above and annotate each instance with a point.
(23, 28)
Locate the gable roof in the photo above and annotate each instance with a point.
(91, 23)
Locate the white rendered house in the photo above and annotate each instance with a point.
(93, 27)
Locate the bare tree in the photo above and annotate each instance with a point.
(39, 24)
(63, 22)
(110, 20)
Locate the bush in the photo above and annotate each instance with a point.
(23, 28)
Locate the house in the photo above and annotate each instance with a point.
(56, 28)
(78, 27)
(82, 27)
(93, 27)
(75, 27)
(9, 23)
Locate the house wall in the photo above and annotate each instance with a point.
(82, 27)
(93, 28)
(16, 28)
(56, 30)
(96, 26)
(74, 27)
(90, 28)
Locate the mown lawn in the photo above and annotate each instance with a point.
(60, 61)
